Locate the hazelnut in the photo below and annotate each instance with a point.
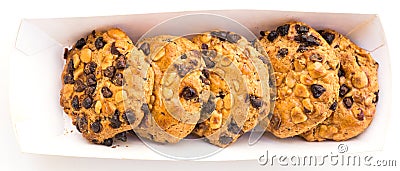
(297, 115)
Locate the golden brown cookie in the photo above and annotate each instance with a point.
(93, 93)
(239, 94)
(305, 69)
(173, 107)
(358, 92)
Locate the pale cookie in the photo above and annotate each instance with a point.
(172, 110)
(239, 96)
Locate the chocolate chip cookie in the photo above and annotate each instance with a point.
(172, 110)
(305, 68)
(239, 95)
(358, 92)
(93, 94)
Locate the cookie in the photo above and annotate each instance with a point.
(358, 92)
(305, 68)
(239, 95)
(172, 110)
(93, 92)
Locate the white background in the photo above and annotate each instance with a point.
(13, 11)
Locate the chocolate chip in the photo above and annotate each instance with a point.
(145, 47)
(188, 93)
(315, 58)
(222, 95)
(184, 56)
(81, 124)
(221, 35)
(80, 43)
(209, 63)
(348, 102)
(307, 40)
(206, 73)
(225, 139)
(90, 90)
(343, 90)
(204, 80)
(66, 51)
(129, 116)
(96, 126)
(360, 116)
(145, 109)
(108, 142)
(79, 86)
(282, 52)
(311, 41)
(87, 102)
(333, 106)
(301, 29)
(272, 35)
(306, 110)
(209, 53)
(255, 101)
(109, 72)
(375, 100)
(70, 67)
(275, 122)
(90, 68)
(262, 33)
(106, 92)
(317, 90)
(232, 38)
(207, 108)
(91, 80)
(94, 33)
(341, 72)
(233, 127)
(120, 62)
(193, 62)
(99, 43)
(75, 103)
(329, 37)
(114, 120)
(283, 30)
(204, 77)
(114, 49)
(118, 79)
(302, 48)
(204, 46)
(69, 79)
(183, 69)
(121, 136)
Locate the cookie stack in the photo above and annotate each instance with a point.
(219, 86)
(327, 86)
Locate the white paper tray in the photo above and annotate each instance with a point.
(41, 126)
